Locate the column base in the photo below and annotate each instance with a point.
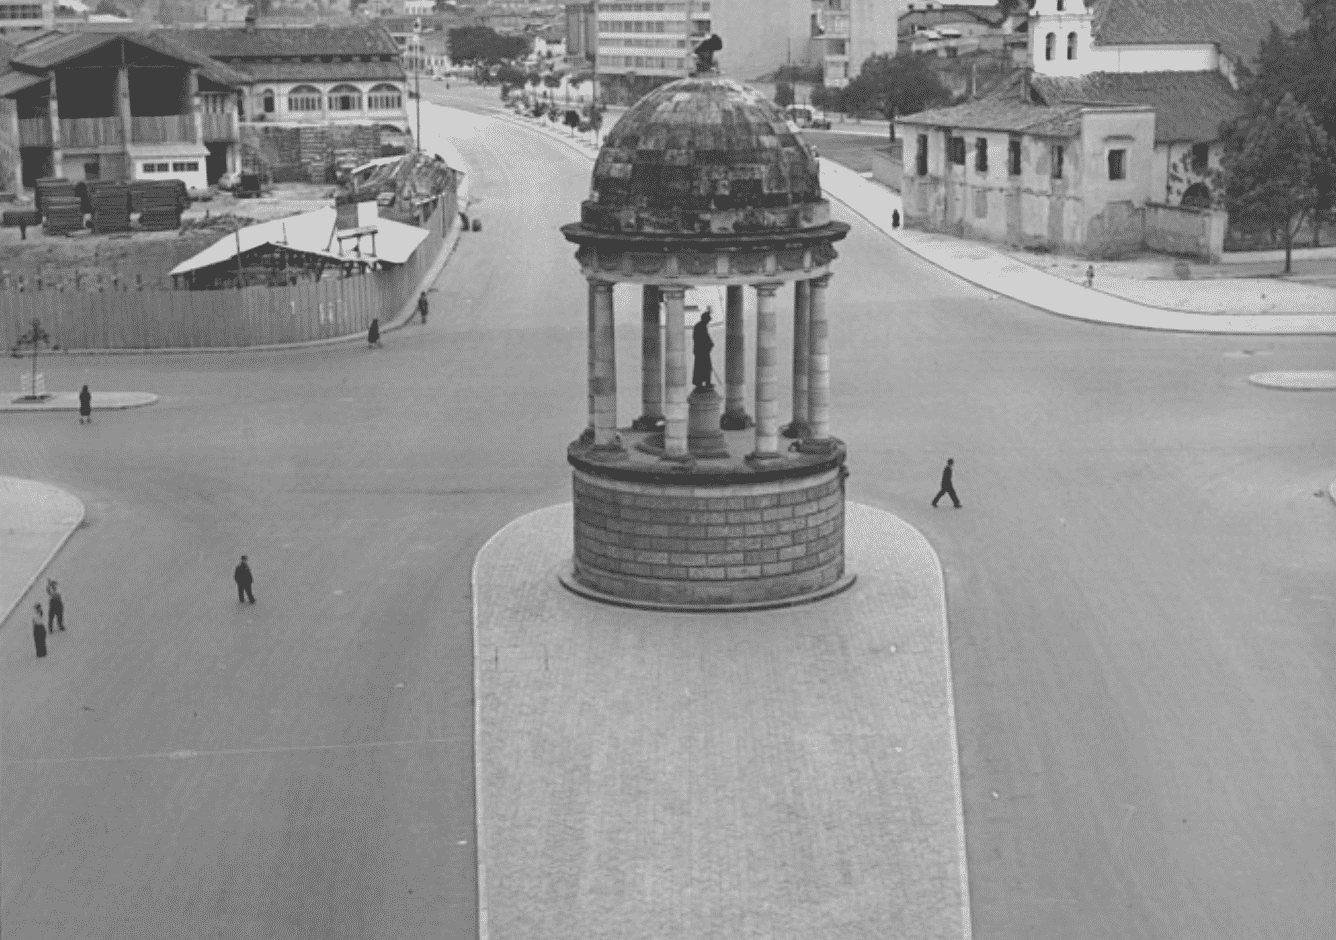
(736, 419)
(647, 423)
(606, 452)
(812, 445)
(800, 429)
(758, 458)
(704, 439)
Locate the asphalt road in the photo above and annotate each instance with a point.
(1139, 594)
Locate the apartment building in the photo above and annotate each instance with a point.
(21, 16)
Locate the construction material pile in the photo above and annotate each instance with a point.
(111, 207)
(402, 186)
(49, 186)
(159, 203)
(64, 214)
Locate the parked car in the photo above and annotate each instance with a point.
(807, 117)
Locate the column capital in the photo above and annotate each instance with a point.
(822, 280)
(599, 284)
(769, 288)
(676, 291)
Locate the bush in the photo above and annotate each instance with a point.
(827, 99)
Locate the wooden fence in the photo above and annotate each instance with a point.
(253, 316)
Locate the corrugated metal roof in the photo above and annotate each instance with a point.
(1237, 26)
(55, 48)
(13, 82)
(1189, 106)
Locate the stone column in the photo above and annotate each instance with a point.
(802, 293)
(651, 362)
(123, 112)
(603, 374)
(675, 372)
(53, 112)
(767, 373)
(590, 374)
(818, 373)
(196, 108)
(735, 416)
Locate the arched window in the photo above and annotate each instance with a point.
(384, 98)
(1050, 46)
(267, 104)
(1071, 45)
(304, 98)
(345, 98)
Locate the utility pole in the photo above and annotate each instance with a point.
(417, 80)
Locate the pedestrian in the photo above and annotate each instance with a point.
(422, 307)
(244, 580)
(947, 488)
(373, 334)
(55, 607)
(1090, 276)
(85, 406)
(39, 631)
(895, 218)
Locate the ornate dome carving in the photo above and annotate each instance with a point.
(705, 156)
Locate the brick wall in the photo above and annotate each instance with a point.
(307, 153)
(709, 544)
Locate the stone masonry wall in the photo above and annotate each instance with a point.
(709, 545)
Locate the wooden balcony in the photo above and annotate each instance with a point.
(163, 129)
(91, 132)
(218, 127)
(34, 132)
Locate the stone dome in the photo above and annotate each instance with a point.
(704, 156)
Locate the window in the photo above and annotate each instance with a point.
(1201, 156)
(345, 98)
(21, 11)
(1062, 5)
(955, 150)
(304, 98)
(267, 101)
(981, 154)
(921, 156)
(1014, 156)
(157, 167)
(1118, 164)
(1057, 161)
(1071, 45)
(186, 166)
(1050, 45)
(384, 98)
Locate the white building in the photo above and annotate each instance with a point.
(24, 16)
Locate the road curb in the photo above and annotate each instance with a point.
(68, 402)
(1295, 381)
(51, 556)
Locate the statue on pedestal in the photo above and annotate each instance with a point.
(701, 344)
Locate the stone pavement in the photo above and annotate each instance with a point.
(35, 521)
(1216, 306)
(784, 774)
(69, 401)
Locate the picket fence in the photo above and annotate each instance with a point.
(252, 316)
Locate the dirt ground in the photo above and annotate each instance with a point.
(83, 260)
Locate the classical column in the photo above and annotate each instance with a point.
(675, 372)
(651, 362)
(53, 112)
(735, 416)
(123, 112)
(800, 426)
(590, 373)
(767, 373)
(603, 374)
(818, 372)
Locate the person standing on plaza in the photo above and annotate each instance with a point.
(85, 406)
(39, 631)
(373, 333)
(701, 344)
(895, 218)
(55, 607)
(948, 488)
(422, 307)
(244, 581)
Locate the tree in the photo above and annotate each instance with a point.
(1273, 159)
(783, 94)
(894, 86)
(107, 8)
(510, 75)
(482, 44)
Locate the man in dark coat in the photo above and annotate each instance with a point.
(39, 631)
(85, 406)
(947, 488)
(55, 607)
(422, 307)
(701, 344)
(373, 333)
(244, 580)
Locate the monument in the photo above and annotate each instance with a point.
(695, 505)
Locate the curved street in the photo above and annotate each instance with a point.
(1139, 594)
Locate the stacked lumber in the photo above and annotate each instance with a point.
(159, 203)
(49, 186)
(64, 214)
(111, 207)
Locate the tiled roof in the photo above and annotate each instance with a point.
(54, 48)
(1238, 26)
(1188, 105)
(990, 16)
(321, 71)
(1003, 114)
(283, 41)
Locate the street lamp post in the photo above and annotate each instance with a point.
(35, 338)
(417, 80)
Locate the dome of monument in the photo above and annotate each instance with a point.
(705, 156)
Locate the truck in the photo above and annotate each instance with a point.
(807, 117)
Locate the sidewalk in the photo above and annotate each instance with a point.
(35, 521)
(69, 401)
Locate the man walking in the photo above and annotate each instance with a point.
(244, 580)
(55, 607)
(947, 488)
(422, 307)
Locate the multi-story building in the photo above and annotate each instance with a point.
(26, 16)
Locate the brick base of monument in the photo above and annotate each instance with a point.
(700, 545)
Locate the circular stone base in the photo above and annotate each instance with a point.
(736, 538)
(568, 581)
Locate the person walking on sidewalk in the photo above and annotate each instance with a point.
(948, 489)
(373, 333)
(55, 607)
(85, 406)
(1090, 275)
(895, 218)
(422, 307)
(244, 581)
(39, 631)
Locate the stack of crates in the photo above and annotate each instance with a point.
(111, 207)
(159, 203)
(49, 186)
(64, 214)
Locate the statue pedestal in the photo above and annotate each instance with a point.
(704, 439)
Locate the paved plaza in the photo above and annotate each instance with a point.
(1138, 595)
